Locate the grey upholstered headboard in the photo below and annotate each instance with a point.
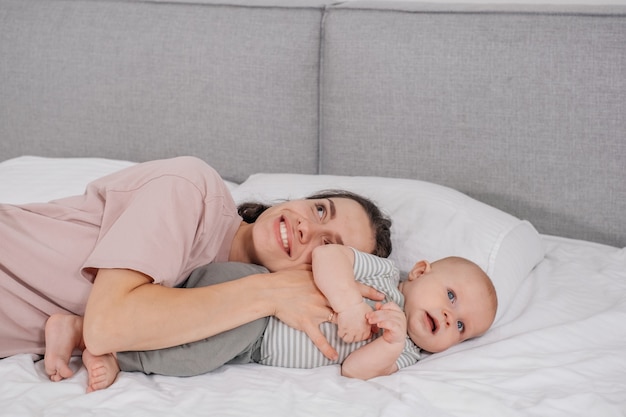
(522, 107)
(140, 80)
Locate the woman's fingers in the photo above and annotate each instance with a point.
(320, 341)
(371, 293)
(302, 306)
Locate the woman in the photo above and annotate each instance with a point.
(98, 254)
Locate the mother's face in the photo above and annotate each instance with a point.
(285, 235)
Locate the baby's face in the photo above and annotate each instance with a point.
(445, 306)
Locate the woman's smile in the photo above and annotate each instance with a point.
(284, 238)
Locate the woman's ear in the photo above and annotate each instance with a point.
(419, 269)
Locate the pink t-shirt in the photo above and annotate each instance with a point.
(162, 218)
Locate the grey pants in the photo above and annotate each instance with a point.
(233, 346)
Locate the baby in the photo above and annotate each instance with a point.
(438, 306)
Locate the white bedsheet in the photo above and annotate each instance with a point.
(564, 355)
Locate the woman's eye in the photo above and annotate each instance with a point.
(460, 326)
(321, 210)
(451, 296)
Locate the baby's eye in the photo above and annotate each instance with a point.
(460, 326)
(451, 296)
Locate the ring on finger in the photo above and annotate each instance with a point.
(331, 316)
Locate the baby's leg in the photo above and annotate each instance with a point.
(102, 370)
(64, 333)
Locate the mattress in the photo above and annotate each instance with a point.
(559, 349)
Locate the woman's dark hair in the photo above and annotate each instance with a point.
(379, 222)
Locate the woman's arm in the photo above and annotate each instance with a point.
(125, 311)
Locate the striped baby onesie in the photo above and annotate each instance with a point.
(287, 347)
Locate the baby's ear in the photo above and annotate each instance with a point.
(419, 269)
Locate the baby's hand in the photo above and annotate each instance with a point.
(391, 319)
(352, 325)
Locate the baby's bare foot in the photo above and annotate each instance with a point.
(102, 370)
(63, 335)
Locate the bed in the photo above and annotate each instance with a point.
(492, 131)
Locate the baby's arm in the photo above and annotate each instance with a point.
(334, 275)
(379, 357)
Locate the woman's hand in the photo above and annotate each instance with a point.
(370, 293)
(301, 305)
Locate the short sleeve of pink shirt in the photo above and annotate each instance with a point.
(162, 218)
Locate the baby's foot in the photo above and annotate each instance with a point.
(102, 370)
(63, 335)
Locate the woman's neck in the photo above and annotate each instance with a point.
(242, 244)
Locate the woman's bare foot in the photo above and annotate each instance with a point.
(102, 370)
(64, 333)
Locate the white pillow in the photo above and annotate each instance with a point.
(28, 179)
(429, 222)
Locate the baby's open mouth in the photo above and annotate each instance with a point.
(433, 323)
